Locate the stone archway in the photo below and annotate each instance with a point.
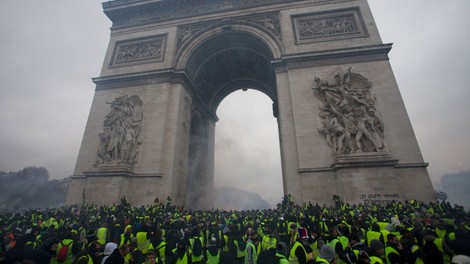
(170, 63)
(221, 64)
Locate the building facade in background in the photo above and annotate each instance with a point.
(343, 126)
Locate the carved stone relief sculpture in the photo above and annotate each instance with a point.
(139, 51)
(350, 122)
(120, 140)
(268, 21)
(329, 25)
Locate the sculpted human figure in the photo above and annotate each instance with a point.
(362, 122)
(345, 113)
(120, 141)
(376, 129)
(116, 141)
(347, 119)
(331, 129)
(103, 154)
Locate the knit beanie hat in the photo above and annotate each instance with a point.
(327, 253)
(376, 244)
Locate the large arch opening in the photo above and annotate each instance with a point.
(247, 153)
(224, 63)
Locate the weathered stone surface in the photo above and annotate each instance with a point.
(181, 58)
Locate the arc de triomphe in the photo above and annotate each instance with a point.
(343, 126)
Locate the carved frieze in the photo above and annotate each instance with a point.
(137, 51)
(350, 122)
(185, 32)
(268, 21)
(121, 137)
(166, 10)
(330, 25)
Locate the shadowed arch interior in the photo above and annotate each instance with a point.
(228, 62)
(219, 66)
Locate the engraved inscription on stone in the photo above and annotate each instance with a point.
(138, 51)
(350, 122)
(329, 26)
(120, 141)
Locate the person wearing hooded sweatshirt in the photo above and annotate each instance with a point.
(181, 254)
(251, 252)
(394, 251)
(89, 254)
(300, 251)
(327, 255)
(126, 236)
(351, 254)
(117, 257)
(212, 252)
(281, 253)
(108, 250)
(376, 252)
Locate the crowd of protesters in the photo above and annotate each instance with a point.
(392, 232)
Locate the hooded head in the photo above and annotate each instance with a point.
(109, 248)
(281, 248)
(327, 253)
(376, 245)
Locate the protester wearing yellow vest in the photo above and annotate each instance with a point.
(394, 250)
(269, 239)
(212, 253)
(151, 258)
(282, 253)
(181, 254)
(300, 252)
(126, 236)
(143, 242)
(103, 235)
(376, 252)
(251, 252)
(327, 255)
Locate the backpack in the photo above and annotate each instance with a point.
(63, 252)
(197, 247)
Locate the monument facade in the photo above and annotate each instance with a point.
(343, 126)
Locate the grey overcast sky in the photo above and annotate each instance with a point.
(50, 50)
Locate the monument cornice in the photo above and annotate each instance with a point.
(335, 56)
(138, 78)
(122, 173)
(137, 12)
(154, 77)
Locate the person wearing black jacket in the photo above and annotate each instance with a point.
(117, 257)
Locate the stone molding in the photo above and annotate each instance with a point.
(138, 51)
(145, 13)
(154, 77)
(334, 56)
(329, 25)
(411, 165)
(116, 172)
(267, 21)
